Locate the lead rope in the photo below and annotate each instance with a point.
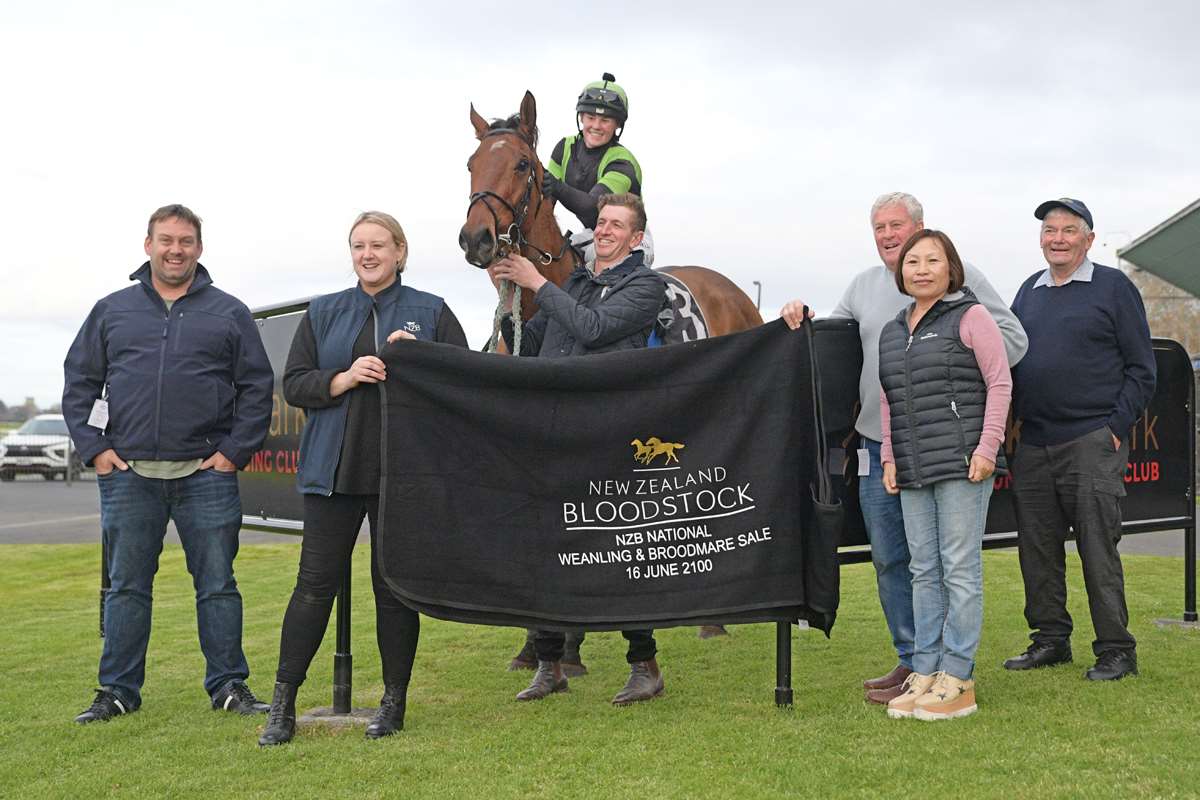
(505, 286)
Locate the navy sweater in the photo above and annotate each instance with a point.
(1089, 364)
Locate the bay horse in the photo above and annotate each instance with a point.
(508, 212)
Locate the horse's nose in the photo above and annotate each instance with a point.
(478, 245)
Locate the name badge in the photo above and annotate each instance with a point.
(99, 416)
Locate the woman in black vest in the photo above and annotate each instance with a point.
(946, 389)
(332, 372)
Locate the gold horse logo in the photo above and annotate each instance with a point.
(653, 448)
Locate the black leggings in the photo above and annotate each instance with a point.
(331, 527)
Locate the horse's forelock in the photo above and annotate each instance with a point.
(513, 125)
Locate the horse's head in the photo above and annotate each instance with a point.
(506, 184)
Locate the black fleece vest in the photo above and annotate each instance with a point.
(935, 392)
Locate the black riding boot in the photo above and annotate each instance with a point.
(281, 719)
(390, 716)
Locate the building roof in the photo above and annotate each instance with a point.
(1170, 250)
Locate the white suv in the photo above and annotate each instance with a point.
(39, 446)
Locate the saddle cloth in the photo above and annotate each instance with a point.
(680, 319)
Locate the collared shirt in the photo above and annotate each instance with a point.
(1082, 273)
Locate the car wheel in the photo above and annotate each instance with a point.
(48, 475)
(6, 475)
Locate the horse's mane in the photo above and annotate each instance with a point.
(513, 125)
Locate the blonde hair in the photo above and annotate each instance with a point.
(393, 227)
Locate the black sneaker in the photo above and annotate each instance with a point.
(1041, 654)
(236, 696)
(106, 706)
(1112, 665)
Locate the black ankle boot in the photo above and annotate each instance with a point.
(281, 719)
(390, 716)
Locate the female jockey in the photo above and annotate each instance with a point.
(594, 162)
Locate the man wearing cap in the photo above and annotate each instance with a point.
(1088, 374)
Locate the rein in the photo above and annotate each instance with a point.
(514, 239)
(514, 235)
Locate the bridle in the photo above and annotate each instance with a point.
(514, 236)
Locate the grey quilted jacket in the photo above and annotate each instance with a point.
(603, 313)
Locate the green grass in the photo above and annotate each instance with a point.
(716, 733)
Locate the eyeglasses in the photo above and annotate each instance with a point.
(597, 94)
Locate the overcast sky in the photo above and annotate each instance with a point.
(764, 136)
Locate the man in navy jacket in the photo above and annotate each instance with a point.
(1087, 376)
(167, 394)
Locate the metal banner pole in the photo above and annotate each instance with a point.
(342, 660)
(1189, 574)
(783, 664)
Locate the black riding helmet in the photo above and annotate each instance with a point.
(604, 98)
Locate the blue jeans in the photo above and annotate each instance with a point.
(889, 552)
(133, 516)
(944, 523)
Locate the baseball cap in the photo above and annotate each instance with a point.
(1070, 204)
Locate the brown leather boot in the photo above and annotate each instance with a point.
(525, 659)
(546, 681)
(884, 696)
(710, 631)
(645, 682)
(572, 662)
(893, 678)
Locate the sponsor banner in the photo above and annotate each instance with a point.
(268, 483)
(640, 489)
(1158, 477)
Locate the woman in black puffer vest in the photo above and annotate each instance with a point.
(946, 389)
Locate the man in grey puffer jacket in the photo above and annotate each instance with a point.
(610, 309)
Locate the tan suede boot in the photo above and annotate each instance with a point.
(915, 685)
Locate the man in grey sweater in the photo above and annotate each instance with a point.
(872, 300)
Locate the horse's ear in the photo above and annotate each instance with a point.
(529, 116)
(479, 123)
